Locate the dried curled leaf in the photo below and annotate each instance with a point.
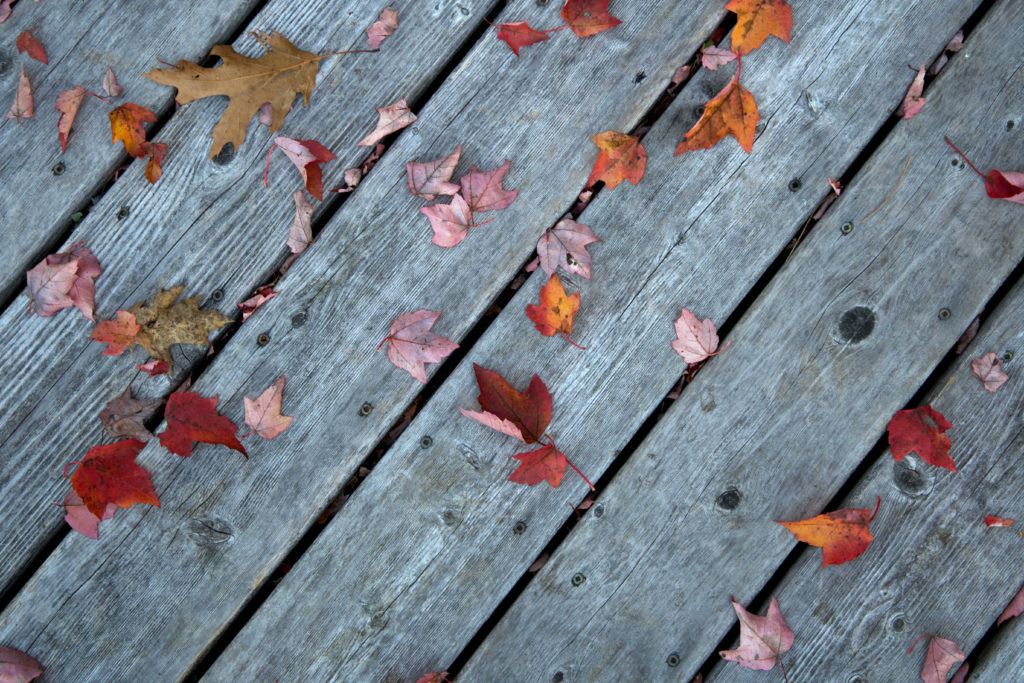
(164, 323)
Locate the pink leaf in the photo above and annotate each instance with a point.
(81, 520)
(392, 118)
(24, 106)
(300, 235)
(431, 178)
(411, 343)
(110, 84)
(68, 103)
(494, 422)
(912, 101)
(1014, 608)
(483, 191)
(15, 665)
(1008, 185)
(263, 413)
(564, 246)
(696, 340)
(262, 296)
(714, 57)
(989, 370)
(49, 286)
(382, 28)
(265, 112)
(941, 657)
(450, 222)
(83, 287)
(307, 155)
(762, 639)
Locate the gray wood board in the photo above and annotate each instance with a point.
(933, 567)
(425, 549)
(1002, 658)
(788, 411)
(209, 226)
(82, 40)
(372, 262)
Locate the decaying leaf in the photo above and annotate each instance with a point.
(260, 297)
(842, 535)
(15, 665)
(520, 34)
(695, 340)
(622, 157)
(68, 103)
(763, 640)
(263, 413)
(554, 314)
(24, 106)
(124, 416)
(307, 155)
(392, 118)
(165, 323)
(1014, 608)
(564, 246)
(432, 178)
(411, 343)
(940, 659)
(274, 78)
(713, 57)
(587, 17)
(382, 28)
(758, 19)
(65, 279)
(81, 520)
(731, 112)
(921, 430)
(192, 418)
(29, 43)
(300, 234)
(989, 371)
(108, 475)
(110, 84)
(912, 101)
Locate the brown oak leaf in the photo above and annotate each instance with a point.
(164, 323)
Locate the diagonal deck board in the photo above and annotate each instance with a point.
(933, 567)
(207, 225)
(82, 40)
(426, 544)
(792, 407)
(268, 502)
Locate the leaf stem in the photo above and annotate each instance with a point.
(477, 225)
(566, 337)
(382, 341)
(783, 665)
(266, 171)
(963, 157)
(65, 472)
(567, 460)
(878, 504)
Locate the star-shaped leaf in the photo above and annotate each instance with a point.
(108, 475)
(411, 344)
(622, 158)
(564, 246)
(762, 639)
(263, 413)
(731, 112)
(921, 430)
(546, 463)
(190, 417)
(842, 535)
(758, 19)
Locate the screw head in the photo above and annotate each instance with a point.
(846, 228)
(366, 409)
(426, 442)
(263, 339)
(519, 528)
(578, 579)
(217, 294)
(58, 168)
(673, 659)
(944, 314)
(123, 212)
(1007, 356)
(795, 184)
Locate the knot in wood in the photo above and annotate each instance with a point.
(729, 499)
(225, 155)
(856, 324)
(209, 531)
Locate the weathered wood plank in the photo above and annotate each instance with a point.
(933, 566)
(82, 40)
(787, 412)
(1002, 658)
(372, 262)
(425, 549)
(211, 226)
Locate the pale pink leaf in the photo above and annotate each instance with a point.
(956, 42)
(432, 178)
(382, 28)
(411, 344)
(81, 520)
(968, 335)
(450, 222)
(912, 101)
(24, 106)
(263, 413)
(762, 639)
(49, 286)
(714, 57)
(494, 422)
(300, 235)
(961, 674)
(484, 191)
(696, 340)
(941, 657)
(110, 84)
(15, 665)
(564, 246)
(393, 117)
(83, 288)
(262, 296)
(265, 112)
(989, 370)
(1014, 608)
(68, 103)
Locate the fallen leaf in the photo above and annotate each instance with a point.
(731, 112)
(124, 416)
(263, 413)
(300, 234)
(307, 155)
(392, 118)
(912, 101)
(382, 28)
(275, 78)
(49, 286)
(431, 178)
(546, 463)
(484, 192)
(622, 157)
(992, 520)
(554, 314)
(968, 335)
(538, 563)
(165, 323)
(695, 340)
(68, 103)
(82, 290)
(763, 640)
(24, 106)
(587, 17)
(110, 84)
(956, 42)
(126, 125)
(529, 411)
(264, 113)
(989, 370)
(108, 475)
(941, 657)
(118, 333)
(450, 222)
(564, 246)
(678, 76)
(1008, 185)
(5, 9)
(1013, 608)
(842, 535)
(961, 674)
(713, 57)
(921, 430)
(15, 665)
(758, 19)
(154, 368)
(260, 297)
(434, 677)
(521, 34)
(29, 43)
(192, 418)
(81, 520)
(411, 343)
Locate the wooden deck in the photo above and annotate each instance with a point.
(355, 548)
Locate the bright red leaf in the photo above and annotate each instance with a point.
(300, 234)
(126, 125)
(68, 103)
(154, 367)
(521, 34)
(555, 312)
(912, 101)
(842, 535)
(989, 370)
(484, 192)
(108, 475)
(529, 411)
(1008, 185)
(118, 333)
(307, 155)
(564, 246)
(992, 520)
(546, 463)
(942, 656)
(391, 118)
(758, 19)
(763, 640)
(110, 84)
(921, 430)
(622, 157)
(190, 417)
(587, 17)
(432, 178)
(29, 43)
(695, 340)
(24, 106)
(382, 28)
(81, 520)
(732, 111)
(411, 344)
(263, 413)
(15, 665)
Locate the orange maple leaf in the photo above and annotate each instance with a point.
(126, 125)
(553, 315)
(118, 333)
(758, 19)
(731, 112)
(842, 535)
(622, 158)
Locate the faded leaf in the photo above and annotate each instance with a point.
(520, 34)
(912, 101)
(110, 84)
(432, 178)
(450, 222)
(263, 413)
(307, 155)
(758, 19)
(731, 112)
(622, 157)
(165, 323)
(564, 246)
(494, 422)
(989, 370)
(554, 314)
(15, 665)
(118, 333)
(842, 535)
(411, 343)
(1013, 608)
(124, 416)
(713, 57)
(940, 659)
(82, 289)
(192, 418)
(81, 520)
(587, 17)
(546, 463)
(763, 640)
(382, 28)
(484, 192)
(392, 118)
(49, 286)
(434, 677)
(68, 103)
(300, 234)
(24, 106)
(921, 430)
(108, 475)
(260, 297)
(29, 43)
(696, 340)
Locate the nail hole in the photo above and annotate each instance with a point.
(58, 168)
(728, 499)
(217, 294)
(578, 579)
(1007, 356)
(944, 314)
(263, 339)
(846, 228)
(449, 518)
(672, 660)
(366, 409)
(699, 111)
(795, 184)
(519, 528)
(426, 442)
(1010, 125)
(298, 320)
(123, 212)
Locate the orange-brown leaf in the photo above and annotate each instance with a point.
(731, 112)
(117, 333)
(587, 17)
(555, 312)
(67, 104)
(622, 158)
(842, 535)
(758, 19)
(126, 125)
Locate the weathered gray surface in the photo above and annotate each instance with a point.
(1002, 659)
(789, 410)
(206, 225)
(373, 262)
(425, 549)
(82, 40)
(933, 567)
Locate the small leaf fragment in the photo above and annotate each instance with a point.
(110, 84)
(263, 413)
(300, 234)
(993, 520)
(912, 101)
(1014, 608)
(382, 28)
(81, 520)
(29, 43)
(260, 297)
(24, 106)
(713, 57)
(68, 103)
(392, 118)
(15, 665)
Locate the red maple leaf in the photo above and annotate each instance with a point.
(622, 158)
(762, 639)
(108, 475)
(546, 463)
(921, 430)
(29, 43)
(529, 411)
(1008, 185)
(587, 17)
(942, 655)
(117, 334)
(554, 314)
(842, 535)
(484, 192)
(190, 417)
(307, 155)
(521, 34)
(411, 343)
(758, 19)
